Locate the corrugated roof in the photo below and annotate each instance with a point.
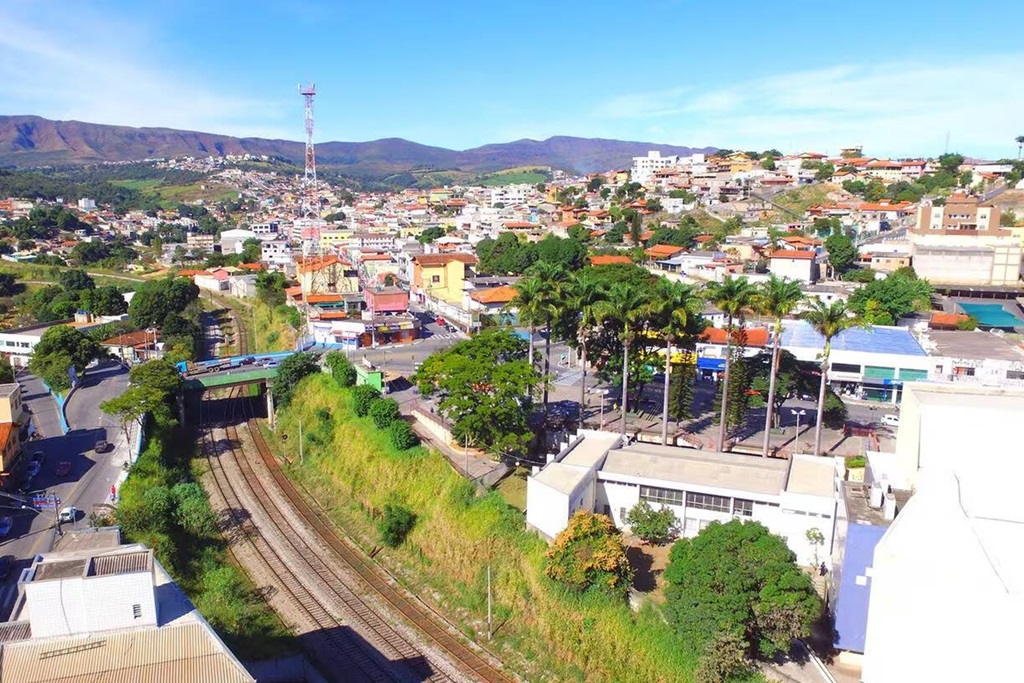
(122, 563)
(184, 654)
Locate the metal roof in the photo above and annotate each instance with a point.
(876, 339)
(189, 653)
(851, 610)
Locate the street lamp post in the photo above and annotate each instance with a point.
(798, 413)
(604, 392)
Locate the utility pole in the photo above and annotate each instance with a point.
(465, 452)
(490, 627)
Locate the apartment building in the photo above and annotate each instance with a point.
(963, 243)
(643, 168)
(510, 195)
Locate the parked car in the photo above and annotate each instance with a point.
(5, 525)
(891, 420)
(63, 469)
(102, 446)
(68, 514)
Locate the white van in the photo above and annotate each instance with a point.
(891, 420)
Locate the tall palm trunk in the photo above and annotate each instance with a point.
(583, 380)
(547, 362)
(531, 346)
(776, 353)
(725, 384)
(625, 378)
(664, 399)
(821, 397)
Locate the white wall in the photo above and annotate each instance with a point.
(77, 605)
(547, 510)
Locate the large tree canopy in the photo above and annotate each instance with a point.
(739, 578)
(484, 386)
(61, 348)
(154, 300)
(883, 302)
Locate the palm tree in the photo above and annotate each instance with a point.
(626, 304)
(829, 321)
(676, 307)
(734, 297)
(550, 303)
(527, 303)
(583, 294)
(777, 298)
(1020, 144)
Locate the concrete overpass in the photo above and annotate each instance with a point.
(236, 377)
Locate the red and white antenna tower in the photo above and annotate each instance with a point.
(309, 179)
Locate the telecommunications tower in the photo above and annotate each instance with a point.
(309, 179)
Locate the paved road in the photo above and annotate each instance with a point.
(92, 474)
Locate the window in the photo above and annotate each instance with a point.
(706, 501)
(137, 611)
(1015, 374)
(434, 279)
(961, 371)
(742, 507)
(653, 494)
(846, 367)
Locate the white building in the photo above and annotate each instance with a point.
(86, 204)
(510, 195)
(794, 264)
(594, 473)
(644, 168)
(947, 578)
(109, 614)
(264, 229)
(231, 241)
(19, 343)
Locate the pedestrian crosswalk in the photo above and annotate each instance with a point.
(567, 378)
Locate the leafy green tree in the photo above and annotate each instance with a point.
(776, 298)
(588, 554)
(342, 370)
(626, 305)
(734, 297)
(739, 578)
(6, 370)
(363, 398)
(740, 385)
(829, 320)
(567, 253)
(583, 291)
(650, 525)
(549, 305)
(430, 234)
(950, 163)
(724, 658)
(104, 301)
(792, 378)
(485, 384)
(192, 511)
(835, 413)
(61, 348)
(402, 436)
(841, 251)
(506, 255)
(154, 300)
(395, 525)
(75, 280)
(133, 406)
(270, 288)
(384, 412)
(159, 374)
(883, 302)
(252, 251)
(9, 285)
(290, 372)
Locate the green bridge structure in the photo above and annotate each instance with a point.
(194, 387)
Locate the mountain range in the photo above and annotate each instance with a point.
(27, 141)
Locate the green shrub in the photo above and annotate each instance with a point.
(395, 525)
(342, 370)
(854, 461)
(384, 412)
(363, 398)
(402, 436)
(967, 324)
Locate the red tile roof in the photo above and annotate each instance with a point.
(494, 295)
(323, 298)
(313, 265)
(434, 260)
(663, 251)
(940, 319)
(519, 225)
(754, 336)
(608, 260)
(793, 254)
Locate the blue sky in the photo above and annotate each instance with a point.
(893, 76)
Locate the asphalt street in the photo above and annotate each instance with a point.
(91, 475)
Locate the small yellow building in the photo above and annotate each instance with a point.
(442, 276)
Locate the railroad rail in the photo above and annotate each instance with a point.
(331, 614)
(424, 619)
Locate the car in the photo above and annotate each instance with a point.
(33, 468)
(63, 469)
(5, 525)
(68, 514)
(38, 456)
(6, 562)
(271, 364)
(248, 361)
(102, 446)
(891, 420)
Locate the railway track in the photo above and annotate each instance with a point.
(425, 620)
(342, 631)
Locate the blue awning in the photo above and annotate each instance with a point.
(717, 364)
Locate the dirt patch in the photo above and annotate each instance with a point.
(648, 562)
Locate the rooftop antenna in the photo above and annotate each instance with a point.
(946, 149)
(309, 179)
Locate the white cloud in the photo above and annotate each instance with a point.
(896, 108)
(72, 65)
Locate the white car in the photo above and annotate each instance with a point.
(69, 514)
(891, 420)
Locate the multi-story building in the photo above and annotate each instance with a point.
(510, 195)
(195, 240)
(643, 169)
(441, 276)
(963, 243)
